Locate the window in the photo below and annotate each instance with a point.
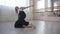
(40, 6)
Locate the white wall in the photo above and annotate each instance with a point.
(8, 14)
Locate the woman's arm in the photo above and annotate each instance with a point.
(29, 6)
(26, 7)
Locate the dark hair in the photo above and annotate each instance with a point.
(16, 9)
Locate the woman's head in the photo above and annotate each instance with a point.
(16, 9)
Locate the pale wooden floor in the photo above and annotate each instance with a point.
(42, 27)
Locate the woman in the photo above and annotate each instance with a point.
(21, 23)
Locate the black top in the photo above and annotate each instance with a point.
(21, 15)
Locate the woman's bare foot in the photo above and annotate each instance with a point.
(30, 26)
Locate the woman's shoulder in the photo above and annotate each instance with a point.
(21, 11)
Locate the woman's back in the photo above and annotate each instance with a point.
(21, 15)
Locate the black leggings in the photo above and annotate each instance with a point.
(19, 24)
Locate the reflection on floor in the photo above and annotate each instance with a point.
(42, 27)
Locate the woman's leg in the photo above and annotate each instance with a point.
(18, 24)
(28, 25)
(25, 23)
